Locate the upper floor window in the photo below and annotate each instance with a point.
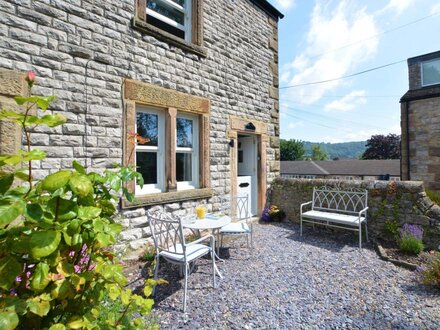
(431, 72)
(172, 16)
(178, 22)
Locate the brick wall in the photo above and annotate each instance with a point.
(81, 51)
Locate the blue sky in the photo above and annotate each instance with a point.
(325, 39)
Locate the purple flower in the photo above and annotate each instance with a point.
(77, 268)
(13, 292)
(265, 216)
(18, 279)
(415, 231)
(72, 254)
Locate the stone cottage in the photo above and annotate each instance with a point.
(197, 79)
(420, 122)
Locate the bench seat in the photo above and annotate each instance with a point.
(346, 219)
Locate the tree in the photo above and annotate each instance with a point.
(318, 153)
(291, 149)
(382, 147)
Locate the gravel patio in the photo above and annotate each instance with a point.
(288, 282)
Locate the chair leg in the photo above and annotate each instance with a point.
(301, 227)
(213, 267)
(185, 287)
(221, 240)
(360, 236)
(366, 230)
(156, 272)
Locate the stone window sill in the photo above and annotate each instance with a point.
(168, 37)
(168, 197)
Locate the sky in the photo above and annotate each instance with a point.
(325, 39)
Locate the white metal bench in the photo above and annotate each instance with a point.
(345, 209)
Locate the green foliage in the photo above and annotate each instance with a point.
(433, 196)
(344, 150)
(318, 153)
(291, 149)
(411, 245)
(430, 275)
(391, 228)
(56, 267)
(149, 254)
(382, 147)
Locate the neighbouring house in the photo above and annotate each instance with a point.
(420, 121)
(353, 169)
(197, 78)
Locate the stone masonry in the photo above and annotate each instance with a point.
(82, 51)
(396, 202)
(420, 122)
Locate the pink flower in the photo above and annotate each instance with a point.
(77, 268)
(30, 78)
(18, 279)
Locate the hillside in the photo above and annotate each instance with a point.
(345, 150)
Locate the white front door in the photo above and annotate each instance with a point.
(247, 170)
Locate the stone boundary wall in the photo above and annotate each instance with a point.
(402, 202)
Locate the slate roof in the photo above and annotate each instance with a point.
(268, 8)
(353, 167)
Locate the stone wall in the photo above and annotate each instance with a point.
(402, 202)
(83, 50)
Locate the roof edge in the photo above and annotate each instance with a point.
(268, 8)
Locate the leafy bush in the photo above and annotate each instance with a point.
(430, 275)
(391, 228)
(411, 245)
(411, 239)
(433, 196)
(273, 213)
(56, 268)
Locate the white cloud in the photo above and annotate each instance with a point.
(347, 103)
(330, 29)
(435, 9)
(284, 4)
(397, 7)
(296, 124)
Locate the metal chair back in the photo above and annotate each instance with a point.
(237, 207)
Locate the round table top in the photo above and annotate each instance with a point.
(209, 222)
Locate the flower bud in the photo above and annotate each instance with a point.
(30, 78)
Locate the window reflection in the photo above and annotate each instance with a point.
(184, 133)
(147, 127)
(183, 167)
(147, 166)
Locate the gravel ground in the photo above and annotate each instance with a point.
(287, 282)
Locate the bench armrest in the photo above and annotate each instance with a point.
(204, 238)
(304, 204)
(363, 211)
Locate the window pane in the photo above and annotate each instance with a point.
(169, 12)
(179, 2)
(184, 132)
(147, 166)
(148, 127)
(183, 167)
(431, 72)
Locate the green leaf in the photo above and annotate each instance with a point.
(43, 243)
(10, 160)
(10, 212)
(64, 209)
(105, 239)
(10, 268)
(35, 154)
(56, 180)
(58, 326)
(6, 180)
(107, 207)
(34, 212)
(76, 324)
(88, 212)
(40, 278)
(113, 291)
(42, 102)
(78, 167)
(21, 175)
(81, 185)
(52, 120)
(8, 320)
(38, 306)
(61, 290)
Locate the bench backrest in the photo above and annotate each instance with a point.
(346, 201)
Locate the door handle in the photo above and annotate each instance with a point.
(244, 185)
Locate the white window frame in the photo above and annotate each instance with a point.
(160, 150)
(186, 10)
(422, 70)
(194, 184)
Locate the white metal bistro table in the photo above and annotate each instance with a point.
(211, 222)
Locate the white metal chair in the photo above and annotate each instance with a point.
(239, 213)
(170, 244)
